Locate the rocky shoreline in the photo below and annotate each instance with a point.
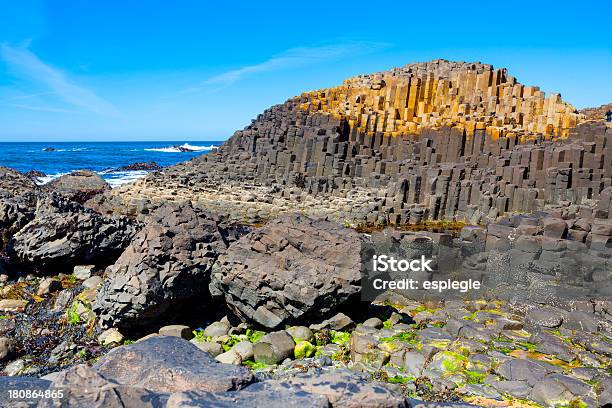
(242, 278)
(179, 263)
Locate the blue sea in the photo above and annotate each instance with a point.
(101, 157)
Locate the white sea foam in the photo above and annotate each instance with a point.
(118, 178)
(48, 178)
(177, 149)
(114, 178)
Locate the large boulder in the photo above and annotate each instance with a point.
(166, 364)
(80, 185)
(64, 233)
(167, 264)
(15, 184)
(17, 201)
(292, 269)
(14, 215)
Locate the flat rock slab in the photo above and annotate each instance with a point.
(347, 389)
(170, 364)
(264, 394)
(110, 396)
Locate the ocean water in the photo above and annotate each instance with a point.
(101, 157)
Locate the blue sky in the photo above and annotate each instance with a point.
(199, 70)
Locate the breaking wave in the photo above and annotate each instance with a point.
(181, 148)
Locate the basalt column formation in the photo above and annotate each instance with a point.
(429, 141)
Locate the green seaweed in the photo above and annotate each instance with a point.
(340, 338)
(254, 335)
(406, 336)
(400, 379)
(199, 335)
(72, 315)
(304, 349)
(474, 377)
(253, 365)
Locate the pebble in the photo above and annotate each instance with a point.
(177, 330)
(83, 272)
(110, 336)
(12, 305)
(6, 348)
(217, 329)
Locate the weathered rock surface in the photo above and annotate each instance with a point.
(17, 198)
(14, 184)
(6, 347)
(83, 387)
(290, 269)
(14, 215)
(344, 388)
(170, 364)
(597, 113)
(168, 263)
(64, 233)
(458, 351)
(264, 394)
(79, 186)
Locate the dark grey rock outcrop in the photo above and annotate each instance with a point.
(14, 184)
(63, 233)
(168, 262)
(292, 268)
(14, 215)
(170, 364)
(17, 198)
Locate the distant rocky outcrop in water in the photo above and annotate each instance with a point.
(147, 166)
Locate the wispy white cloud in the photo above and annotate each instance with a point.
(26, 66)
(22, 96)
(292, 58)
(39, 108)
